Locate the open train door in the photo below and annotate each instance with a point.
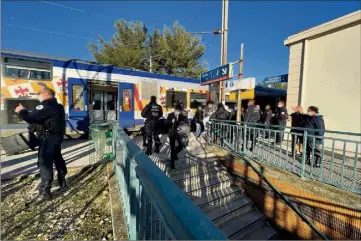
(78, 104)
(126, 105)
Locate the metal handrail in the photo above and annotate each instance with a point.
(155, 207)
(287, 127)
(320, 159)
(274, 189)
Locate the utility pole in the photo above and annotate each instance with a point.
(224, 41)
(239, 98)
(150, 64)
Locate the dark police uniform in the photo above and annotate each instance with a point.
(281, 116)
(253, 115)
(152, 113)
(49, 117)
(177, 133)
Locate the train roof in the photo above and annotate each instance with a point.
(94, 66)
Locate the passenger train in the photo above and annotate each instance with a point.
(90, 92)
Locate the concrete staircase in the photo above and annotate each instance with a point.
(213, 190)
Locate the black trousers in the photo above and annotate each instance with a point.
(48, 153)
(316, 148)
(174, 149)
(152, 133)
(60, 165)
(279, 135)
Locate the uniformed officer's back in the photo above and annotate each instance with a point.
(152, 113)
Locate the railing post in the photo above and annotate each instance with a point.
(134, 200)
(245, 138)
(304, 154)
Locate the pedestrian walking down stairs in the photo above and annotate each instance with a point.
(213, 190)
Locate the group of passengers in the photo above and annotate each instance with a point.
(274, 123)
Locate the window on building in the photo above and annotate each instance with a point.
(27, 69)
(198, 99)
(11, 104)
(78, 98)
(175, 96)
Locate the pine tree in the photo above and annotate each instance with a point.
(173, 51)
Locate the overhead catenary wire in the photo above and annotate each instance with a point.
(47, 31)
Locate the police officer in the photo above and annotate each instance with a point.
(178, 132)
(49, 117)
(281, 116)
(152, 113)
(253, 115)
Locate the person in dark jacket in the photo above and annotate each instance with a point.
(315, 126)
(50, 117)
(281, 117)
(197, 125)
(152, 113)
(233, 114)
(178, 134)
(298, 121)
(253, 115)
(267, 119)
(221, 113)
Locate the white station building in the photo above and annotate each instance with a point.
(324, 71)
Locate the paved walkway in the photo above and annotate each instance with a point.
(75, 152)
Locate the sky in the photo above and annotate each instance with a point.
(32, 26)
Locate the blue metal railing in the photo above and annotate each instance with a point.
(320, 159)
(286, 199)
(154, 207)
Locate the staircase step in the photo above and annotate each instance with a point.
(241, 224)
(195, 170)
(199, 182)
(264, 232)
(217, 210)
(221, 195)
(216, 186)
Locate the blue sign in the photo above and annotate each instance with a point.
(218, 74)
(276, 79)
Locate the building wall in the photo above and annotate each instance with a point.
(324, 71)
(331, 78)
(294, 75)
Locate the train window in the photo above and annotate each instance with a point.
(127, 100)
(27, 69)
(78, 98)
(97, 101)
(198, 99)
(11, 104)
(149, 89)
(174, 96)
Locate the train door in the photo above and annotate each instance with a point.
(78, 104)
(97, 106)
(104, 105)
(126, 105)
